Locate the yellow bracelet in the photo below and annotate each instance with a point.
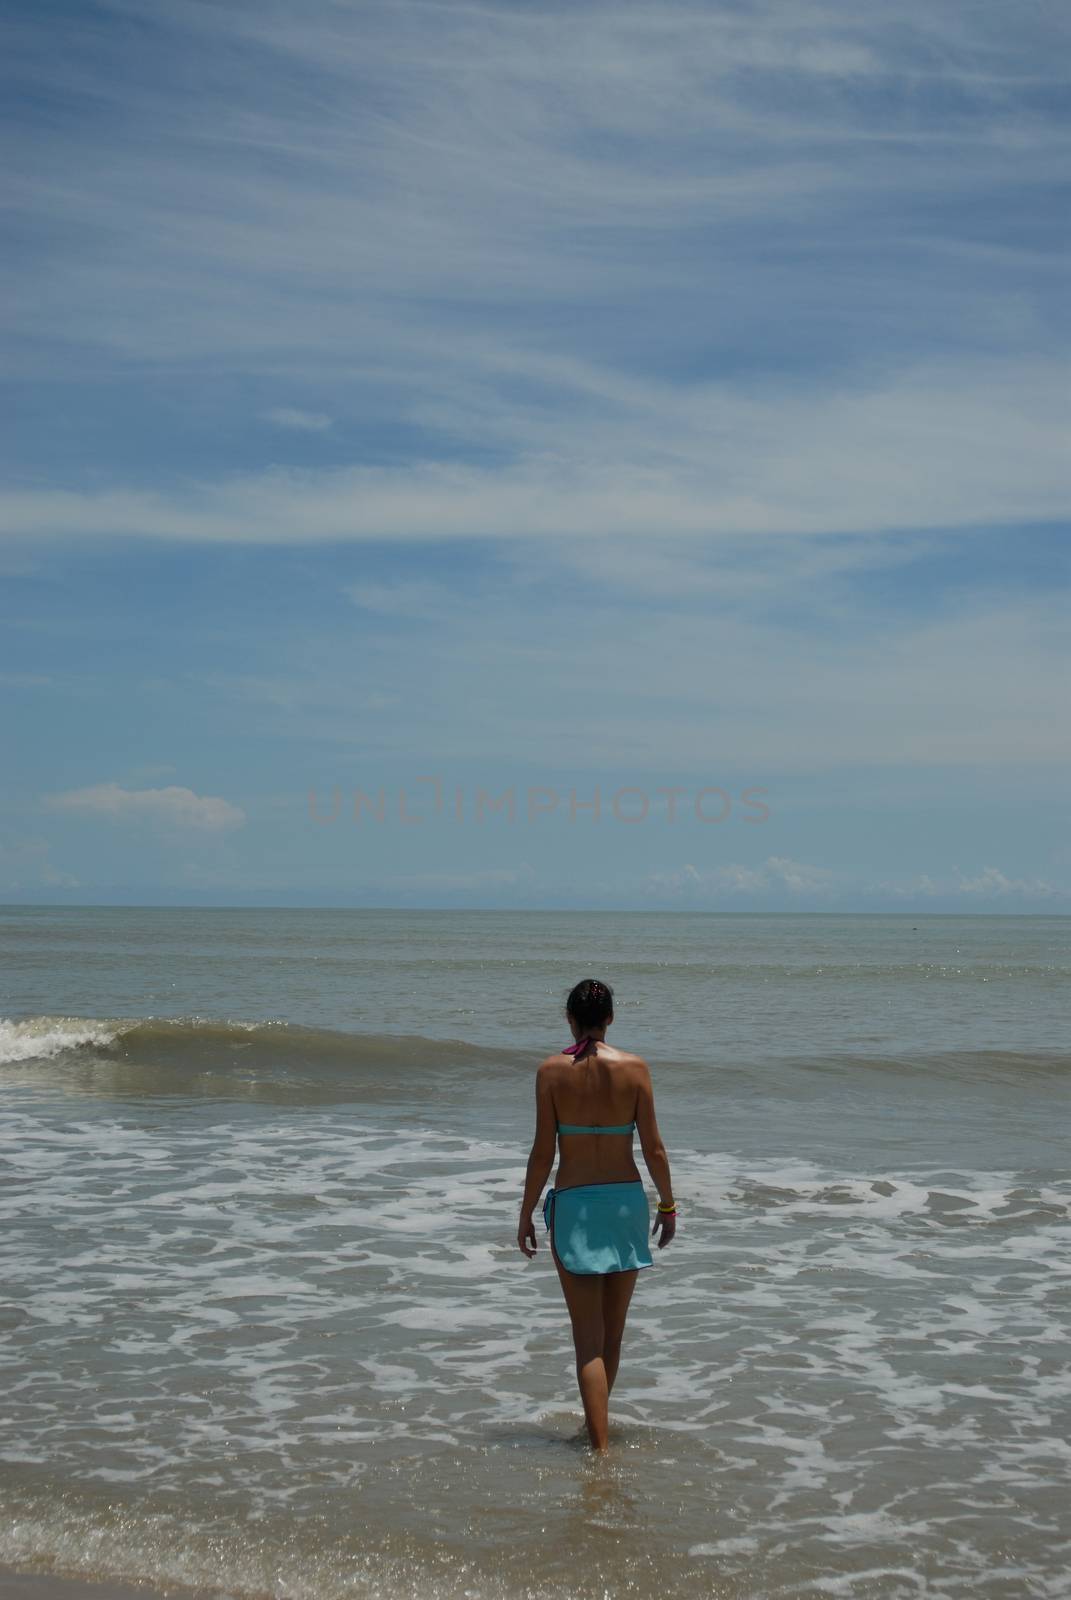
(665, 1210)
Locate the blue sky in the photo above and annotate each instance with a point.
(537, 399)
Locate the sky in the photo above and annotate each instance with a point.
(599, 456)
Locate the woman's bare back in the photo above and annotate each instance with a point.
(602, 1088)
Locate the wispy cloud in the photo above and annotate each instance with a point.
(408, 597)
(987, 885)
(679, 355)
(814, 887)
(733, 880)
(299, 421)
(174, 806)
(803, 676)
(609, 270)
(984, 445)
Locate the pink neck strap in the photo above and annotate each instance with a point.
(578, 1048)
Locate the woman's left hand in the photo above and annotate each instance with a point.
(665, 1226)
(526, 1237)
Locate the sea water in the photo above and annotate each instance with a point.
(265, 1328)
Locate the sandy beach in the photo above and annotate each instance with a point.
(51, 1586)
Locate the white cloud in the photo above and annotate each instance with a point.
(796, 677)
(992, 883)
(407, 598)
(172, 806)
(988, 884)
(775, 873)
(470, 251)
(654, 299)
(577, 252)
(936, 447)
(299, 421)
(813, 883)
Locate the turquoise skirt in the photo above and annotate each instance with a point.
(599, 1227)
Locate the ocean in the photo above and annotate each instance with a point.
(265, 1330)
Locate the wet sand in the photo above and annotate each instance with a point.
(49, 1586)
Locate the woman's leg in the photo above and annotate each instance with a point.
(583, 1296)
(617, 1290)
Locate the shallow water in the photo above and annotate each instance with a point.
(265, 1326)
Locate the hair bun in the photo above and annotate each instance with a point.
(590, 1003)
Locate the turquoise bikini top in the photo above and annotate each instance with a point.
(575, 1127)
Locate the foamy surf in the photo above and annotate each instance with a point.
(44, 1038)
(200, 1042)
(266, 1329)
(308, 1361)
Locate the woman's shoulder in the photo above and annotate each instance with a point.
(622, 1060)
(640, 1063)
(617, 1051)
(628, 1061)
(633, 1067)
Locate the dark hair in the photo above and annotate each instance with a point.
(590, 1003)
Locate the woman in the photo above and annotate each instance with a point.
(590, 1097)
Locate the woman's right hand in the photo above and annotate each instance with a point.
(526, 1237)
(665, 1226)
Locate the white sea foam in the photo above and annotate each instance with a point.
(260, 1311)
(42, 1038)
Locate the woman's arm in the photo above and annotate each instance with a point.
(654, 1154)
(540, 1161)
